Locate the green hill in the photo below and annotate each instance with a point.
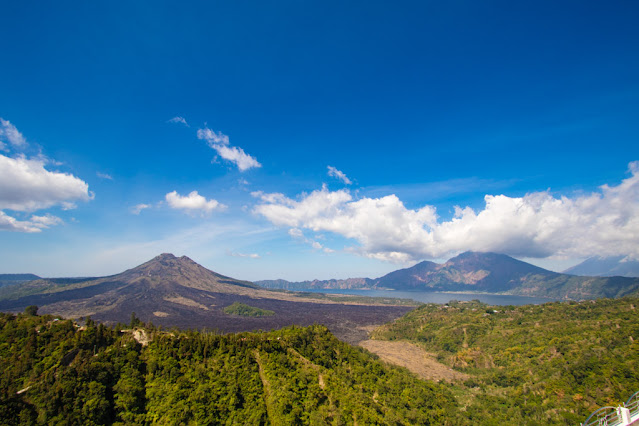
(55, 372)
(548, 364)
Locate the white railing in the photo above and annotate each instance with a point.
(632, 405)
(605, 416)
(622, 415)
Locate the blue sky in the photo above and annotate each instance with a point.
(322, 139)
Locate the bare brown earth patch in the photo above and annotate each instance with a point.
(186, 302)
(413, 358)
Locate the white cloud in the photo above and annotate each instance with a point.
(248, 255)
(137, 209)
(298, 234)
(333, 172)
(238, 156)
(211, 137)
(220, 143)
(537, 225)
(179, 119)
(8, 223)
(25, 185)
(35, 224)
(9, 133)
(104, 176)
(46, 221)
(193, 202)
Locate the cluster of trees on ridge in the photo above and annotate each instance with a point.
(245, 310)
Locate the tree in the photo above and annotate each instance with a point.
(31, 310)
(135, 321)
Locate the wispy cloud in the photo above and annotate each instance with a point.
(104, 176)
(45, 221)
(537, 225)
(247, 255)
(298, 234)
(193, 202)
(34, 224)
(199, 242)
(137, 209)
(333, 172)
(220, 143)
(179, 119)
(9, 133)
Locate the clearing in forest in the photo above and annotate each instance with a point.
(413, 358)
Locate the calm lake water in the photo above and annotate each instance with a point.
(439, 297)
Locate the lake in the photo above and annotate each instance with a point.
(441, 297)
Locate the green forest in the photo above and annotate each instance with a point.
(57, 371)
(244, 310)
(536, 364)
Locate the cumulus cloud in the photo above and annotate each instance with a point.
(220, 143)
(333, 172)
(8, 223)
(137, 209)
(179, 119)
(538, 225)
(26, 185)
(9, 133)
(193, 202)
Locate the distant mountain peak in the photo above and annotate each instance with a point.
(606, 267)
(164, 256)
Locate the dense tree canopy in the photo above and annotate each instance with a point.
(535, 364)
(57, 372)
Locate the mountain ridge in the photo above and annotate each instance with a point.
(606, 267)
(491, 273)
(175, 291)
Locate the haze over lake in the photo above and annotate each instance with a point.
(443, 297)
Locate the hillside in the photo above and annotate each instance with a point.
(56, 373)
(10, 279)
(547, 364)
(176, 291)
(498, 273)
(606, 267)
(490, 272)
(484, 272)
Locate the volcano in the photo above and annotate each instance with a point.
(172, 291)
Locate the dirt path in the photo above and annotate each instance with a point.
(308, 363)
(267, 386)
(413, 358)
